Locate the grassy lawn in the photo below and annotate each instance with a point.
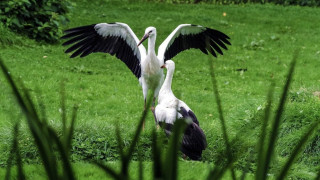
(87, 171)
(263, 39)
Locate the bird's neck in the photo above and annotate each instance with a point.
(151, 45)
(168, 81)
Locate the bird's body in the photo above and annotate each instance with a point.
(152, 74)
(170, 109)
(118, 39)
(168, 105)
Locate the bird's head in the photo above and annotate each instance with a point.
(150, 32)
(169, 64)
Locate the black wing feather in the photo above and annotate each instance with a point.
(216, 47)
(216, 39)
(85, 40)
(193, 142)
(77, 38)
(81, 43)
(193, 117)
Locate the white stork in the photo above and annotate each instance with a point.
(170, 108)
(118, 39)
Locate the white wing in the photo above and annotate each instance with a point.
(114, 38)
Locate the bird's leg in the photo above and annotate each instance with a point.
(153, 109)
(144, 108)
(154, 114)
(153, 104)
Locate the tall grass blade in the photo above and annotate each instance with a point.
(11, 155)
(213, 173)
(218, 172)
(13, 86)
(262, 140)
(296, 151)
(41, 136)
(126, 161)
(8, 168)
(247, 168)
(63, 109)
(140, 165)
(30, 106)
(108, 170)
(244, 173)
(219, 105)
(140, 168)
(21, 175)
(34, 122)
(119, 142)
(156, 154)
(124, 168)
(46, 154)
(139, 128)
(67, 168)
(71, 129)
(15, 151)
(318, 176)
(276, 123)
(171, 162)
(42, 108)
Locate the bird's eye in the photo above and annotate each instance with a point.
(150, 32)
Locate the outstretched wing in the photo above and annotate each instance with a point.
(187, 36)
(114, 38)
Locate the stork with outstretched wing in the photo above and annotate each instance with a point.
(118, 39)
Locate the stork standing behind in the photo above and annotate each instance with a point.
(170, 108)
(118, 39)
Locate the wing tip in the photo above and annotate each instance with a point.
(73, 55)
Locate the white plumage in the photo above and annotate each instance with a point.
(168, 105)
(170, 108)
(118, 39)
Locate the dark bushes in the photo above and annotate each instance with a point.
(38, 19)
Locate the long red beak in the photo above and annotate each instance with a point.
(143, 39)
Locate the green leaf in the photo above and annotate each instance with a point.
(16, 22)
(7, 9)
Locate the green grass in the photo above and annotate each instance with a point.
(263, 39)
(88, 171)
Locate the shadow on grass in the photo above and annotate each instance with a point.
(165, 165)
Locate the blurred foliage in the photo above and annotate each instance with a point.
(281, 2)
(46, 138)
(5, 38)
(38, 19)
